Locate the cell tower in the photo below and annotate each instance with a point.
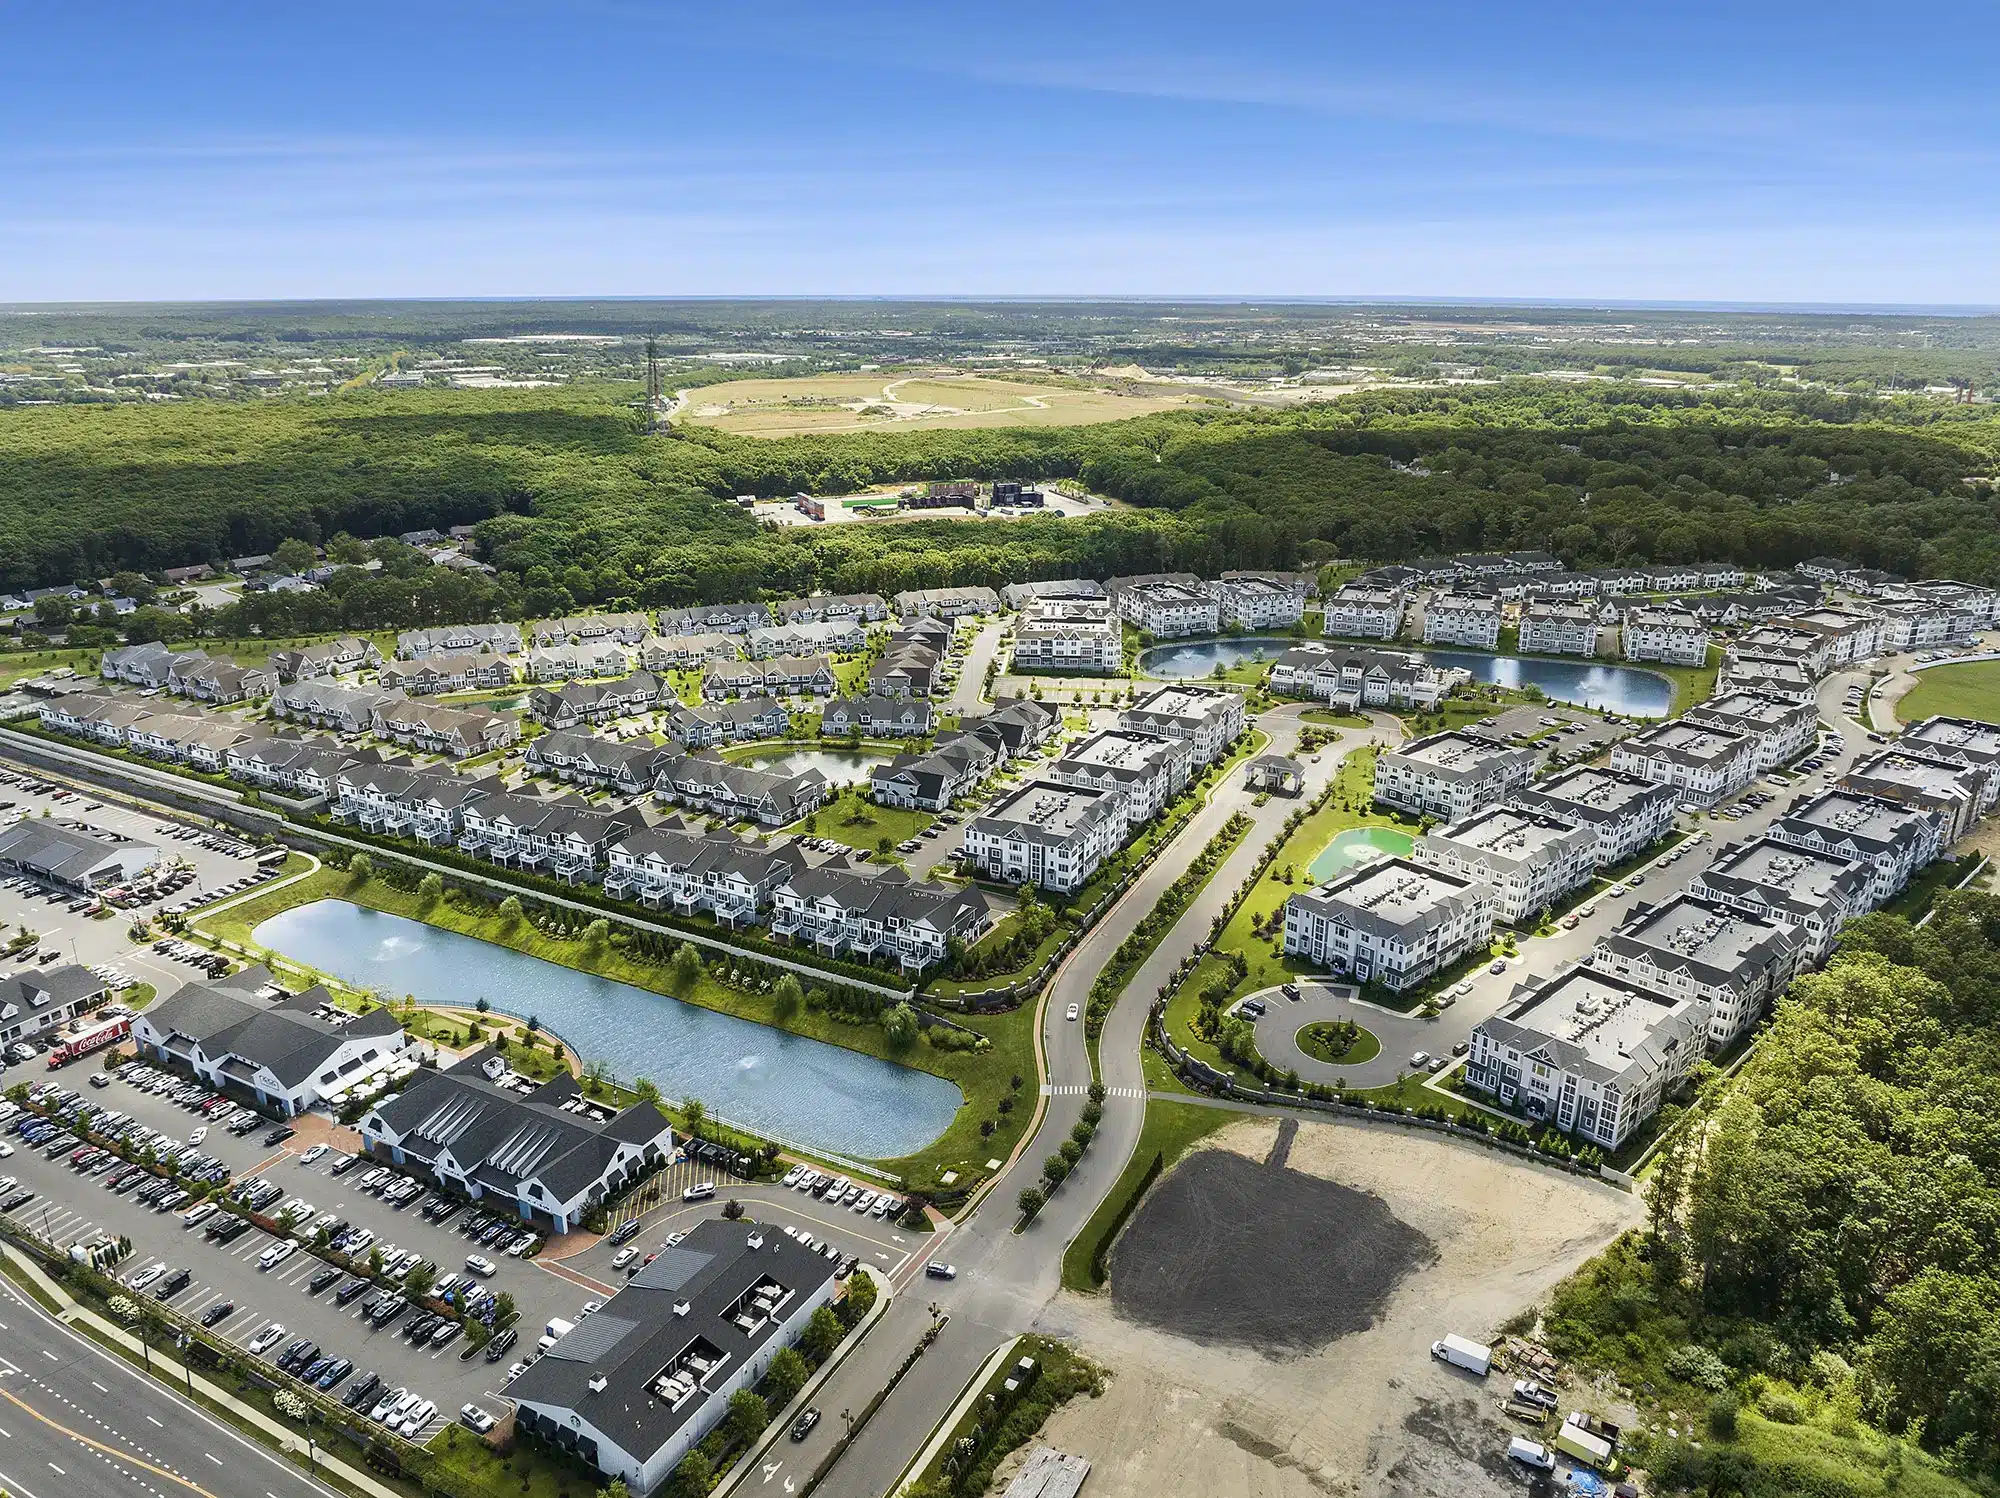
(655, 408)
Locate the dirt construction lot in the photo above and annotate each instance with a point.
(1456, 1239)
(910, 401)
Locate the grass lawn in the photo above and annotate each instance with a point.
(850, 676)
(984, 1077)
(1922, 892)
(1331, 718)
(1692, 684)
(16, 664)
(1324, 1043)
(1968, 691)
(1170, 1131)
(853, 819)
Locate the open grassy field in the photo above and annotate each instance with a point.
(1968, 691)
(909, 402)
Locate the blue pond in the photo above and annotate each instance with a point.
(801, 1091)
(1617, 689)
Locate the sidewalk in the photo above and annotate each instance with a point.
(282, 1436)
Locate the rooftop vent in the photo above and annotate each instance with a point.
(598, 1383)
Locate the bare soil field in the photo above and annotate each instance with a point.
(1367, 1412)
(911, 401)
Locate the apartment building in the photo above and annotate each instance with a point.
(817, 637)
(565, 837)
(1169, 611)
(625, 629)
(1959, 741)
(1703, 764)
(771, 798)
(1149, 771)
(686, 652)
(447, 671)
(1781, 729)
(862, 608)
(221, 682)
(1671, 636)
(1055, 590)
(1856, 635)
(1450, 775)
(1624, 812)
(1809, 649)
(1559, 628)
(1955, 793)
(714, 618)
(946, 603)
(1530, 859)
(1359, 611)
(672, 866)
(877, 718)
(606, 764)
(728, 722)
(1470, 619)
(577, 702)
(1392, 922)
(1079, 643)
(1766, 675)
(1811, 892)
(1893, 839)
(435, 729)
(1048, 834)
(1207, 717)
(1352, 676)
(1251, 600)
(1589, 1052)
(1731, 963)
(495, 639)
(399, 801)
(326, 704)
(146, 666)
(844, 913)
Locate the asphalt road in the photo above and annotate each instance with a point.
(1005, 1280)
(78, 1422)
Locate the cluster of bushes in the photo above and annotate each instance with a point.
(1056, 1168)
(1033, 922)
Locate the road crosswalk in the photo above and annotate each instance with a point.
(1079, 1089)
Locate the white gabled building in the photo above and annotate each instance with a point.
(1252, 600)
(1782, 729)
(1450, 775)
(1360, 612)
(1532, 859)
(1671, 636)
(1207, 717)
(1168, 610)
(1470, 619)
(1559, 628)
(1048, 834)
(1589, 1052)
(1079, 641)
(1959, 741)
(1150, 770)
(1625, 813)
(1703, 764)
(1811, 892)
(1729, 962)
(1391, 922)
(1895, 841)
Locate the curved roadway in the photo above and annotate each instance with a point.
(1006, 1279)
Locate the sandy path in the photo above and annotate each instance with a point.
(1371, 1413)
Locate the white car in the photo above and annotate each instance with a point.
(1071, 1012)
(590, 1308)
(701, 1191)
(146, 1276)
(418, 1417)
(198, 1135)
(265, 1340)
(625, 1256)
(312, 1154)
(480, 1265)
(200, 1212)
(275, 1255)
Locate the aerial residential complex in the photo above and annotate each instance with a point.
(1391, 922)
(1531, 859)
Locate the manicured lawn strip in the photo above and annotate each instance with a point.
(1170, 1130)
(1921, 893)
(1332, 719)
(16, 664)
(1971, 690)
(984, 1077)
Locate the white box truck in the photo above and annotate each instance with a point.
(1463, 1352)
(554, 1332)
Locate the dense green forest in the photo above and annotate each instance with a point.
(577, 505)
(1824, 1242)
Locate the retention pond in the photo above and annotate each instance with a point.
(799, 1091)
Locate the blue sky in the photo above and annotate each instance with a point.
(1695, 151)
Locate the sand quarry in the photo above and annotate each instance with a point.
(1274, 1300)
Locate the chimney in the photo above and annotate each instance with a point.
(598, 1383)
